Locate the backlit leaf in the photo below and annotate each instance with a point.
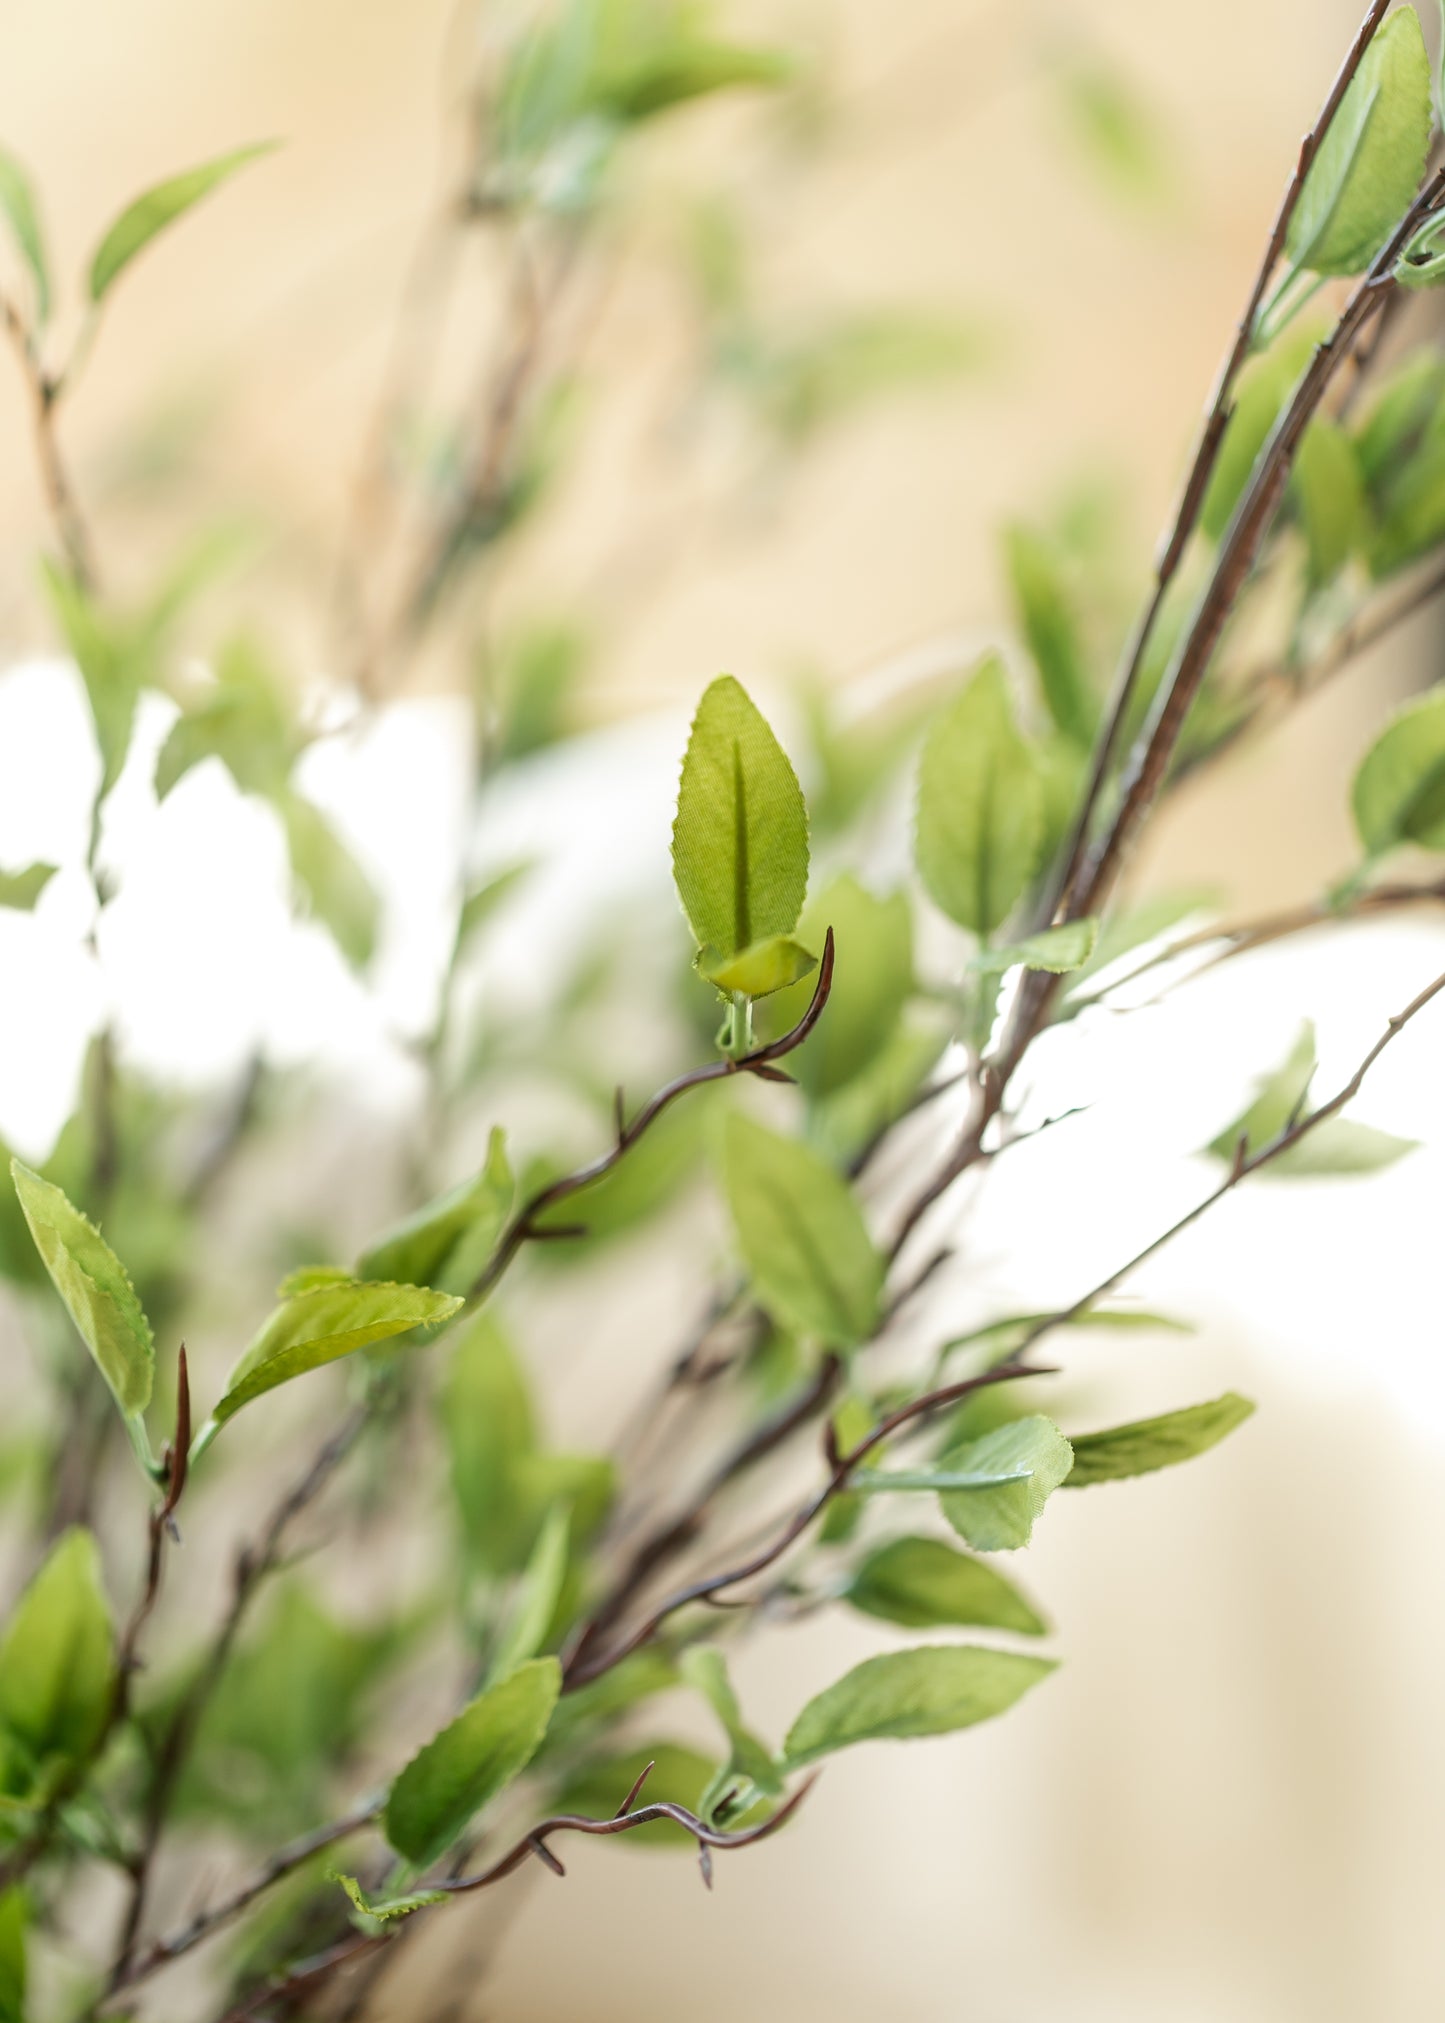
(993, 1520)
(1059, 949)
(1372, 158)
(759, 970)
(1399, 791)
(92, 1281)
(386, 1910)
(475, 1757)
(318, 1327)
(21, 889)
(872, 982)
(980, 806)
(740, 839)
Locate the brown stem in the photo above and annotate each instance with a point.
(580, 1671)
(525, 1224)
(1201, 469)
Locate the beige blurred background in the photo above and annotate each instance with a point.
(1228, 1806)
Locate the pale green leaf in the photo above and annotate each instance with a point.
(1148, 1444)
(924, 1584)
(386, 1909)
(980, 806)
(57, 1665)
(1399, 791)
(318, 1327)
(1263, 388)
(158, 207)
(474, 1758)
(92, 1281)
(802, 1236)
(1330, 495)
(540, 1591)
(17, 201)
(751, 1760)
(1336, 1147)
(993, 1520)
(243, 718)
(759, 970)
(1051, 629)
(930, 1691)
(1059, 949)
(740, 839)
(21, 889)
(1372, 158)
(446, 1244)
(330, 880)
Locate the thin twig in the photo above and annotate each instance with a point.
(580, 1670)
(253, 1564)
(1201, 469)
(525, 1225)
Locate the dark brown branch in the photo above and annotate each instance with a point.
(580, 1670)
(533, 1845)
(525, 1225)
(1206, 454)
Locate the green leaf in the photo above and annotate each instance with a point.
(92, 1281)
(1338, 1146)
(1052, 632)
(290, 1711)
(21, 889)
(872, 982)
(1372, 158)
(758, 971)
(740, 839)
(802, 1236)
(474, 1758)
(1058, 949)
(930, 1691)
(1264, 387)
(331, 881)
(447, 1243)
(504, 1483)
(314, 1328)
(1001, 1339)
(110, 664)
(884, 1481)
(158, 207)
(1399, 791)
(1330, 494)
(980, 806)
(386, 1909)
(57, 1667)
(244, 718)
(924, 1584)
(1148, 1444)
(679, 1776)
(1115, 128)
(14, 1917)
(706, 1669)
(17, 201)
(993, 1520)
(541, 1590)
(485, 899)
